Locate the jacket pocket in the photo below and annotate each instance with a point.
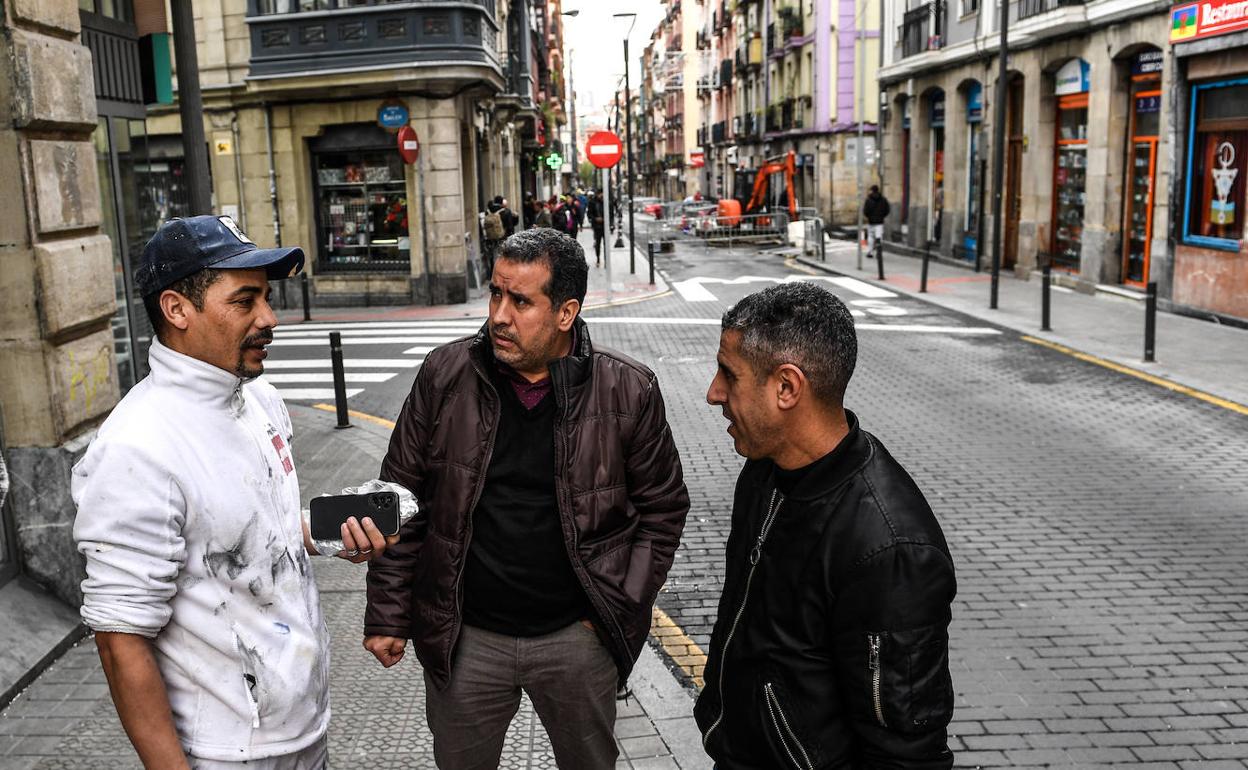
(786, 737)
(903, 679)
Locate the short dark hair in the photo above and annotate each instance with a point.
(801, 324)
(569, 272)
(193, 287)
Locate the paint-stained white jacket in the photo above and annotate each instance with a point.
(188, 515)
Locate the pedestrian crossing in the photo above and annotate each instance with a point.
(310, 377)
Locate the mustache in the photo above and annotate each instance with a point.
(258, 340)
(497, 331)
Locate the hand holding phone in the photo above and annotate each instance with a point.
(328, 514)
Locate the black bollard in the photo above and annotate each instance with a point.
(927, 254)
(1045, 285)
(340, 380)
(879, 256)
(1150, 322)
(652, 249)
(307, 304)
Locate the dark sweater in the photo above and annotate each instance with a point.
(517, 578)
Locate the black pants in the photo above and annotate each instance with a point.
(597, 242)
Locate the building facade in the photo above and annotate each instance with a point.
(302, 103)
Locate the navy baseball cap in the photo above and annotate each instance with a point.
(183, 247)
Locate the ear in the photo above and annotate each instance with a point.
(567, 314)
(177, 309)
(790, 386)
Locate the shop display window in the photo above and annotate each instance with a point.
(362, 211)
(1070, 180)
(1217, 165)
(1141, 173)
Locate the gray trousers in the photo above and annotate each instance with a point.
(569, 676)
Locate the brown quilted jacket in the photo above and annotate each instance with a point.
(621, 491)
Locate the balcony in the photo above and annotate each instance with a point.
(725, 73)
(923, 28)
(719, 132)
(287, 41)
(1029, 8)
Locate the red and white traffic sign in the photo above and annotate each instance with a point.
(604, 149)
(409, 144)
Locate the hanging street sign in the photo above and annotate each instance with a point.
(604, 149)
(409, 144)
(554, 160)
(392, 115)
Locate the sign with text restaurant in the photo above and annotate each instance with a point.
(1192, 21)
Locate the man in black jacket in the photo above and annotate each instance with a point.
(831, 645)
(875, 211)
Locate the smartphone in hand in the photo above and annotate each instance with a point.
(330, 513)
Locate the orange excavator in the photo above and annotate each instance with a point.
(787, 164)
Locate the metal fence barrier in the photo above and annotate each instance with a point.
(710, 227)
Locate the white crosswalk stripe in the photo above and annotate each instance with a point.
(392, 340)
(314, 394)
(350, 363)
(351, 377)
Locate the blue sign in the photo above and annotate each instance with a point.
(938, 111)
(975, 103)
(1147, 63)
(1148, 104)
(1072, 78)
(392, 115)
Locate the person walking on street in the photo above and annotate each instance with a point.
(198, 586)
(875, 210)
(529, 210)
(543, 218)
(513, 578)
(598, 223)
(582, 202)
(510, 220)
(831, 646)
(494, 231)
(573, 207)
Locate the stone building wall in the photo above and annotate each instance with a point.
(57, 367)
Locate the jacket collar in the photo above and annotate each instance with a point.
(570, 371)
(855, 450)
(198, 380)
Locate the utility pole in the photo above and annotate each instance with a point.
(191, 108)
(862, 114)
(628, 132)
(998, 149)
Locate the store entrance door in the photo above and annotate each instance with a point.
(1013, 173)
(1137, 225)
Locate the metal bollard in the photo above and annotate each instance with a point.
(1150, 322)
(652, 253)
(340, 380)
(879, 256)
(307, 303)
(927, 254)
(1046, 284)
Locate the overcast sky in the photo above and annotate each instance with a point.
(594, 46)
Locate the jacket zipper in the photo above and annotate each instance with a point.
(874, 662)
(573, 547)
(755, 554)
(476, 497)
(773, 708)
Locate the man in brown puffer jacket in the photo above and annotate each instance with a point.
(552, 502)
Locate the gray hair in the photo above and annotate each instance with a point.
(800, 324)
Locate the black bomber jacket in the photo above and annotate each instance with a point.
(831, 647)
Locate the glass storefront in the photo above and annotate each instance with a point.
(1141, 166)
(1070, 164)
(937, 175)
(974, 146)
(1218, 165)
(361, 194)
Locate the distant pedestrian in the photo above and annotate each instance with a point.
(529, 211)
(875, 210)
(582, 204)
(598, 222)
(198, 586)
(494, 232)
(555, 504)
(575, 214)
(543, 218)
(510, 219)
(831, 646)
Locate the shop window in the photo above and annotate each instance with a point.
(362, 211)
(1070, 169)
(1217, 165)
(1141, 173)
(937, 171)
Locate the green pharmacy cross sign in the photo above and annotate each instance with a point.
(554, 160)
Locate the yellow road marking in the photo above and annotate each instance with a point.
(383, 422)
(632, 301)
(1150, 378)
(792, 264)
(683, 651)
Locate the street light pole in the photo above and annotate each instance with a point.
(998, 149)
(191, 109)
(862, 114)
(628, 133)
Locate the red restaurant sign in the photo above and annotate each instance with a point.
(1192, 21)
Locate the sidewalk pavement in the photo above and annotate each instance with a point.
(65, 719)
(622, 286)
(1198, 354)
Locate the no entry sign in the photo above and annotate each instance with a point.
(604, 149)
(409, 145)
